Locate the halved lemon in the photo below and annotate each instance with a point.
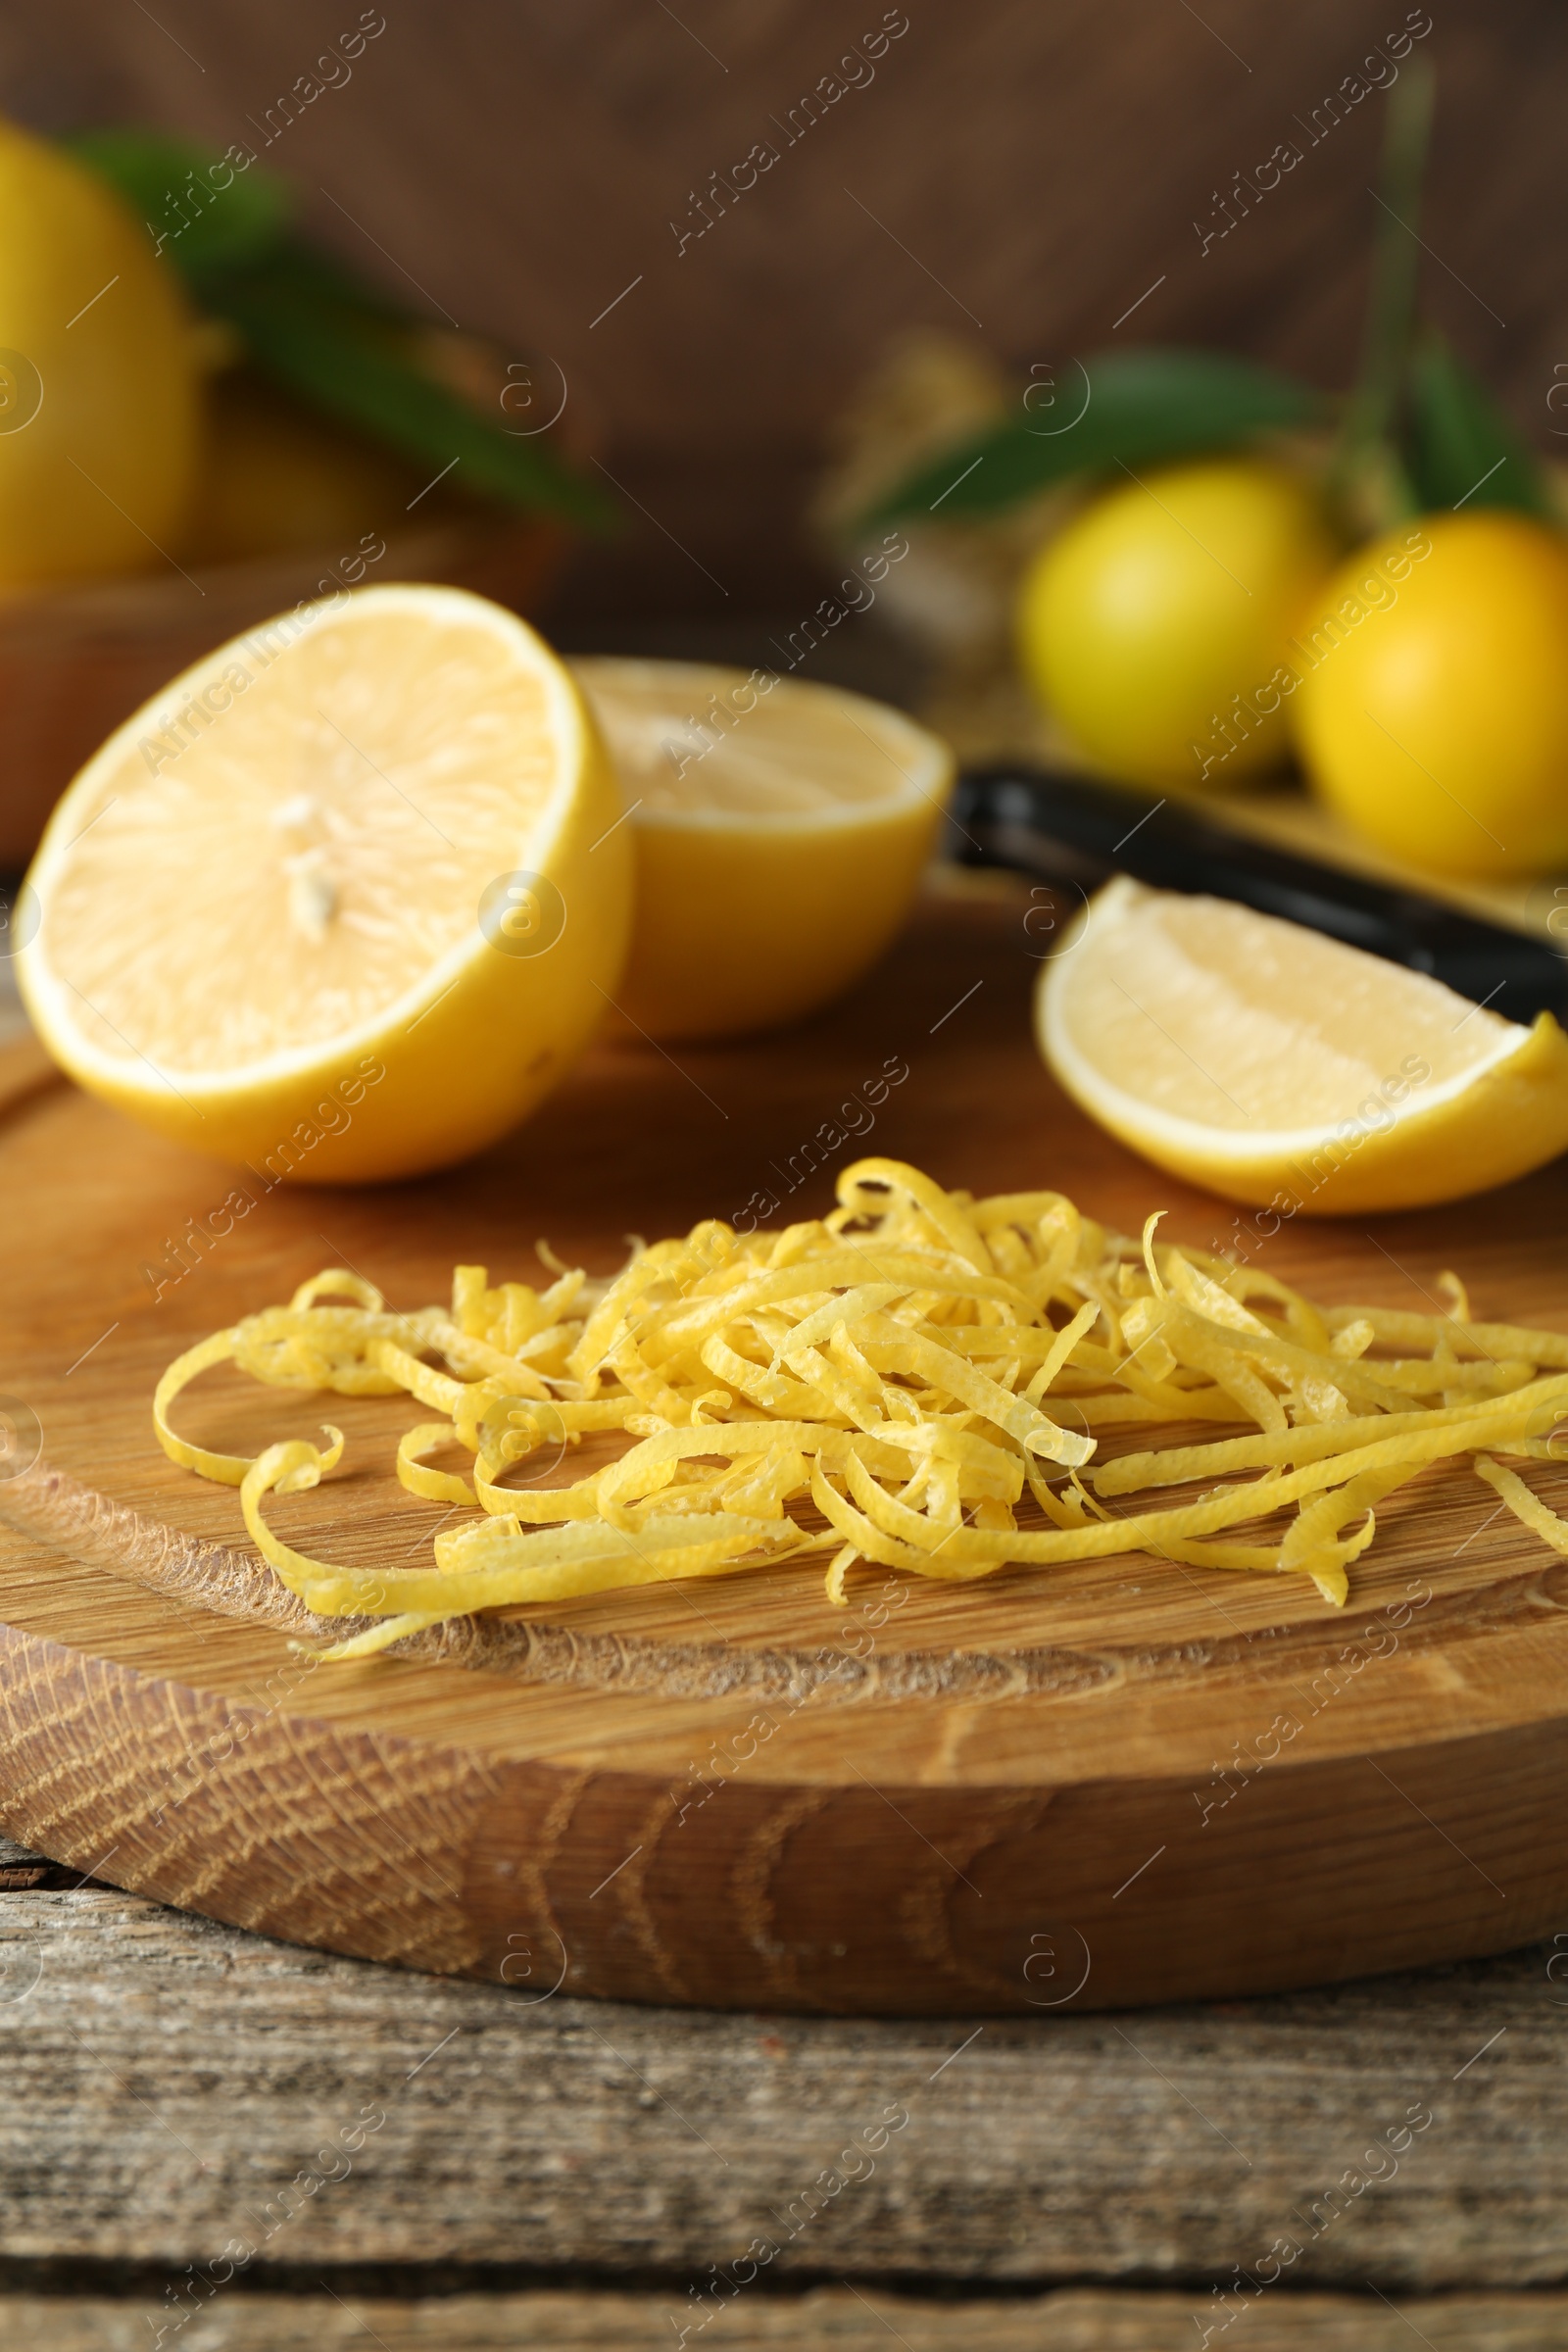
(342, 901)
(781, 830)
(1278, 1067)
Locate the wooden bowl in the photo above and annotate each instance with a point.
(74, 661)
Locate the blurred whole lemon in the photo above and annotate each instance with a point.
(1434, 712)
(275, 478)
(1151, 623)
(99, 376)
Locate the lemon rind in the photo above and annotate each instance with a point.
(46, 996)
(933, 759)
(1193, 1139)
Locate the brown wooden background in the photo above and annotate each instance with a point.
(522, 159)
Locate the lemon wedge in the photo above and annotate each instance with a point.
(780, 828)
(1278, 1067)
(344, 899)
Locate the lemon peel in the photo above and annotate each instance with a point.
(1525, 1507)
(277, 910)
(779, 840)
(1279, 1068)
(884, 1375)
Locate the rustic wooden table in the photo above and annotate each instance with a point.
(422, 2162)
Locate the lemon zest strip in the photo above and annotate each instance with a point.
(912, 1368)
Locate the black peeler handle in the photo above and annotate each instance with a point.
(1045, 823)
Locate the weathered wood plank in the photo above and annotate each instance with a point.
(1073, 2322)
(175, 2087)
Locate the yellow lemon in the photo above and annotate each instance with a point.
(1154, 626)
(277, 477)
(781, 830)
(1432, 708)
(99, 377)
(1278, 1067)
(345, 899)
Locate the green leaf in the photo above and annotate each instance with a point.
(1463, 451)
(1134, 408)
(335, 341)
(320, 279)
(199, 221)
(343, 357)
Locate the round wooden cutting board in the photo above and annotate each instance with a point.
(1108, 1784)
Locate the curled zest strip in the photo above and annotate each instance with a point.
(432, 1485)
(286, 1469)
(228, 1469)
(890, 1385)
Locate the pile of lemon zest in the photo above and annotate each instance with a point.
(338, 1283)
(1177, 1465)
(1060, 1350)
(909, 1369)
(475, 1354)
(424, 1381)
(1151, 1226)
(1316, 1545)
(1195, 1289)
(1395, 1327)
(1448, 1281)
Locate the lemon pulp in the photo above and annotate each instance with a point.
(781, 829)
(1270, 1063)
(298, 858)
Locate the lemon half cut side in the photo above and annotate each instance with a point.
(1278, 1067)
(342, 901)
(781, 831)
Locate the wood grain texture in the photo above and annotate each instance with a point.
(25, 1068)
(1074, 2321)
(174, 2085)
(1025, 174)
(1009, 1799)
